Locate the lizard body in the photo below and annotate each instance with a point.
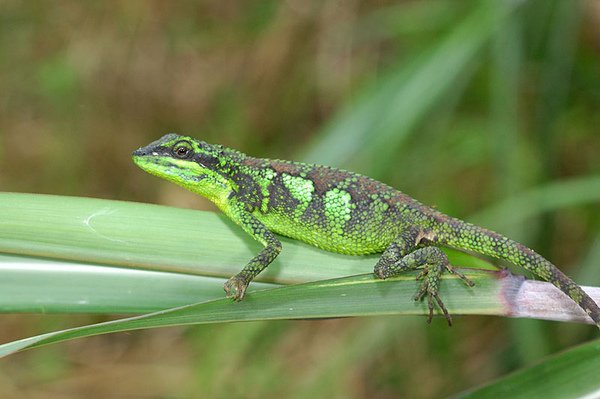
(338, 211)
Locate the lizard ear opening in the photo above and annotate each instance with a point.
(183, 150)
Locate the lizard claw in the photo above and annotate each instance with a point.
(464, 278)
(235, 288)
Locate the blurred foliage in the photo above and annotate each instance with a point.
(463, 105)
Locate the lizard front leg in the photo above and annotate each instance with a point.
(405, 254)
(236, 286)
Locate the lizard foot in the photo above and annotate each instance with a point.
(235, 288)
(432, 262)
(431, 275)
(429, 287)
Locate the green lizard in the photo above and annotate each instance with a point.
(338, 211)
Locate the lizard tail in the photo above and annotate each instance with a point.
(459, 234)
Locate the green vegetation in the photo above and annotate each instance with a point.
(485, 109)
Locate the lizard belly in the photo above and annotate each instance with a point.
(350, 239)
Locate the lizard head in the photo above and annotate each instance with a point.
(195, 165)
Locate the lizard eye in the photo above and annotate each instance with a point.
(182, 150)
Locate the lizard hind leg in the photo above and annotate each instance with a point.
(433, 262)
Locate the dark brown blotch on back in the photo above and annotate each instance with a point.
(326, 178)
(289, 168)
(255, 163)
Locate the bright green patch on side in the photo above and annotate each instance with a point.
(300, 189)
(338, 209)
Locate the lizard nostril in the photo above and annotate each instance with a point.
(140, 152)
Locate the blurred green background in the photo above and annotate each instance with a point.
(487, 110)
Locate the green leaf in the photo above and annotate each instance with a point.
(362, 295)
(94, 233)
(52, 286)
(571, 374)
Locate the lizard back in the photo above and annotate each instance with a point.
(329, 208)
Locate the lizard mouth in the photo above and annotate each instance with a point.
(178, 171)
